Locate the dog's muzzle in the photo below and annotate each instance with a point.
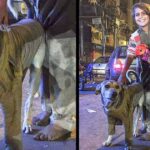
(110, 101)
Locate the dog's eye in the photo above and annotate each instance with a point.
(107, 86)
(117, 86)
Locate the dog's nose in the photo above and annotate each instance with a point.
(114, 94)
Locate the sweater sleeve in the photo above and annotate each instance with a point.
(3, 12)
(133, 42)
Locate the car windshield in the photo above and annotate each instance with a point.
(101, 60)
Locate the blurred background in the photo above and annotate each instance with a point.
(104, 29)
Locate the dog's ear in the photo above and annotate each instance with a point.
(98, 89)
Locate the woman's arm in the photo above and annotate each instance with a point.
(3, 12)
(128, 62)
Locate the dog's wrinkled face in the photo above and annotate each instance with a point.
(110, 94)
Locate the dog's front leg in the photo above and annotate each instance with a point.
(111, 131)
(34, 85)
(128, 125)
(35, 74)
(12, 117)
(12, 125)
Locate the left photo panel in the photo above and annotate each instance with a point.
(38, 74)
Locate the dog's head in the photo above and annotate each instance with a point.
(111, 94)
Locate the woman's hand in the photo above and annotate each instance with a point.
(122, 78)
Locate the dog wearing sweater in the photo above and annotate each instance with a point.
(118, 103)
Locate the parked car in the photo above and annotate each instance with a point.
(85, 74)
(99, 65)
(116, 63)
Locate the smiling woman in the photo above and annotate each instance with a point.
(141, 15)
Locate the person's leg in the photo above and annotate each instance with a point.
(146, 111)
(62, 56)
(146, 135)
(62, 67)
(43, 118)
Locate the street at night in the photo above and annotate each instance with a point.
(112, 33)
(93, 126)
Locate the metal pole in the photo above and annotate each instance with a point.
(115, 38)
(81, 39)
(129, 18)
(103, 39)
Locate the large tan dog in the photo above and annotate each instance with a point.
(21, 45)
(118, 103)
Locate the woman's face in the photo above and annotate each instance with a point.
(141, 18)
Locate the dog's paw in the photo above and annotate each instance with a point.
(128, 148)
(27, 129)
(135, 134)
(106, 143)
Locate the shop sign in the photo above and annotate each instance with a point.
(96, 36)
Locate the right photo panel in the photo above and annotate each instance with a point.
(114, 75)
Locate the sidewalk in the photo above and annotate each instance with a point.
(93, 126)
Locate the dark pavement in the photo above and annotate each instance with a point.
(28, 142)
(93, 126)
